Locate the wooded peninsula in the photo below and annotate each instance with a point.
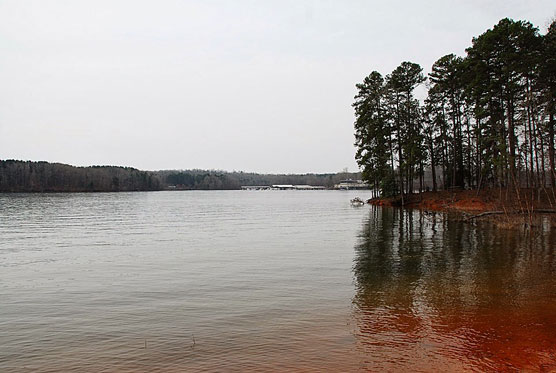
(487, 121)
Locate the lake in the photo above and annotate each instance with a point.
(266, 281)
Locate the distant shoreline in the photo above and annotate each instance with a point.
(17, 176)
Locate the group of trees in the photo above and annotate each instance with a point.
(197, 180)
(214, 180)
(488, 119)
(27, 176)
(21, 176)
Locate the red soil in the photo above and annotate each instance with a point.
(471, 200)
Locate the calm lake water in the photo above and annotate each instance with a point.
(266, 281)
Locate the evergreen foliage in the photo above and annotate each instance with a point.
(488, 118)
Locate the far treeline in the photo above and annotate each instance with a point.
(488, 119)
(28, 176)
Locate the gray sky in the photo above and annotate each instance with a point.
(261, 86)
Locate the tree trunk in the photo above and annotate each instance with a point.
(433, 168)
(551, 147)
(512, 141)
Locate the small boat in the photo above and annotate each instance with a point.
(357, 201)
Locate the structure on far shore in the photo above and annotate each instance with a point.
(350, 184)
(282, 187)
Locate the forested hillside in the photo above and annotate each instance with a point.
(20, 176)
(209, 180)
(488, 119)
(27, 176)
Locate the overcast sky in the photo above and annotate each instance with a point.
(261, 86)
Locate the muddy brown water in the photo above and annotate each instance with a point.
(266, 281)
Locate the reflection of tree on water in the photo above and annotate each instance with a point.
(442, 291)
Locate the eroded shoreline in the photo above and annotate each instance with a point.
(503, 207)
